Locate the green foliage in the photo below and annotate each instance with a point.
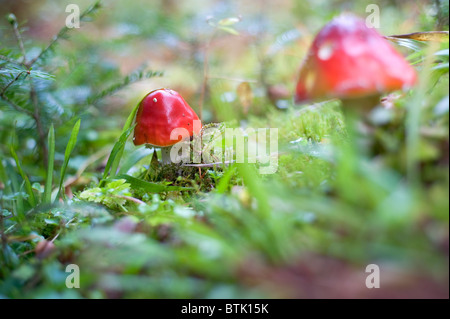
(113, 195)
(147, 187)
(31, 98)
(51, 160)
(28, 189)
(69, 148)
(117, 151)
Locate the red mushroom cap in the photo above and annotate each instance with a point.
(348, 59)
(160, 112)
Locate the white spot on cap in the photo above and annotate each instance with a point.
(326, 51)
(155, 100)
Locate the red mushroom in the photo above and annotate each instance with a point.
(348, 60)
(160, 113)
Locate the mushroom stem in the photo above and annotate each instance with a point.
(165, 153)
(361, 105)
(356, 112)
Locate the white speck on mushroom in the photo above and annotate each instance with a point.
(155, 100)
(326, 50)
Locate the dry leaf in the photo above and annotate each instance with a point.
(435, 36)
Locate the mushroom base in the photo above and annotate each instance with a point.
(165, 154)
(357, 117)
(362, 105)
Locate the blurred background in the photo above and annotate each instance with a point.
(269, 43)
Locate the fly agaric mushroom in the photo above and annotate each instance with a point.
(160, 113)
(352, 62)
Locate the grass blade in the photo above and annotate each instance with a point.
(255, 187)
(18, 208)
(126, 127)
(133, 158)
(3, 175)
(51, 159)
(115, 155)
(413, 119)
(69, 148)
(150, 187)
(224, 183)
(28, 189)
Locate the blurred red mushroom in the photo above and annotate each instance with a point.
(161, 112)
(348, 60)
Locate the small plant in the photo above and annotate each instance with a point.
(114, 195)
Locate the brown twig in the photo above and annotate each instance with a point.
(209, 164)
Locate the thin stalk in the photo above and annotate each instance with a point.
(19, 39)
(413, 119)
(39, 126)
(205, 76)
